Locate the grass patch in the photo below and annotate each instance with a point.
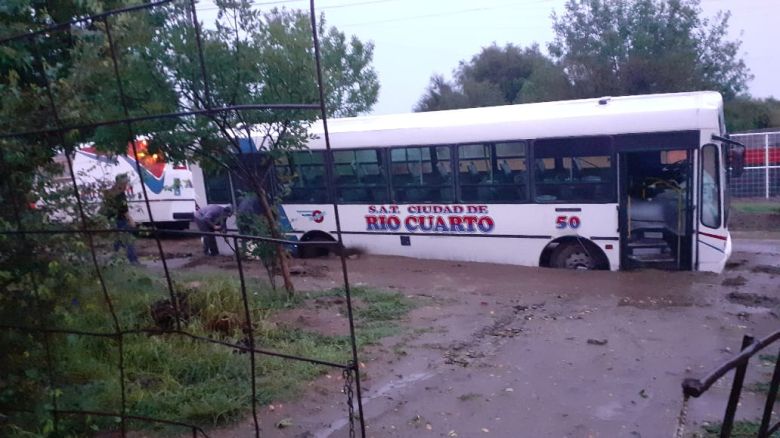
(178, 378)
(759, 387)
(399, 349)
(377, 317)
(768, 361)
(769, 358)
(741, 429)
(757, 207)
(376, 312)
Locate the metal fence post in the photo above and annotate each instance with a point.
(736, 391)
(763, 431)
(766, 165)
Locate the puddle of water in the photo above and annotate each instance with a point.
(398, 384)
(383, 390)
(608, 411)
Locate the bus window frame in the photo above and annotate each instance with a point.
(391, 176)
(333, 188)
(327, 179)
(613, 169)
(493, 159)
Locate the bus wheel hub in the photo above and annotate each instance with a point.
(578, 260)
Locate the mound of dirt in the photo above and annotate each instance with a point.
(306, 270)
(163, 312)
(753, 300)
(735, 264)
(753, 221)
(226, 324)
(766, 269)
(659, 302)
(222, 262)
(324, 315)
(735, 281)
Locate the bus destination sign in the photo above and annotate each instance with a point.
(430, 218)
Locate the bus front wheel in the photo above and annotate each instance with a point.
(574, 255)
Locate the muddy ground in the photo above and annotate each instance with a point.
(753, 221)
(496, 350)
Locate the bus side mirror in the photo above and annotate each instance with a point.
(736, 158)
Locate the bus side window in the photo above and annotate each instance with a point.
(443, 169)
(574, 170)
(418, 174)
(217, 187)
(303, 176)
(710, 186)
(493, 172)
(358, 176)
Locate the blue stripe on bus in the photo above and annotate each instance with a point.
(284, 221)
(155, 185)
(713, 247)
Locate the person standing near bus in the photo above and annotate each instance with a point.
(116, 210)
(249, 211)
(210, 219)
(250, 220)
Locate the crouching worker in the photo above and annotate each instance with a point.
(210, 219)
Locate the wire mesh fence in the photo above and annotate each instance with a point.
(56, 130)
(761, 178)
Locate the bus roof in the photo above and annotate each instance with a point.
(585, 117)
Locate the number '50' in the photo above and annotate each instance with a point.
(567, 221)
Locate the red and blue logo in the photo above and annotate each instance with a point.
(316, 216)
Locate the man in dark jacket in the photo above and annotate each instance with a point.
(249, 211)
(116, 210)
(250, 220)
(210, 219)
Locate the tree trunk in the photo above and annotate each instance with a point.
(273, 225)
(255, 181)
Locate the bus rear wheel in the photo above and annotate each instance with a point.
(314, 251)
(573, 256)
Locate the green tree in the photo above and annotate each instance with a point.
(745, 113)
(621, 47)
(444, 95)
(258, 58)
(251, 57)
(34, 268)
(498, 76)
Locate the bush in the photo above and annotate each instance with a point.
(171, 376)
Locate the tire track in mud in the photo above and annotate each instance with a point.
(464, 353)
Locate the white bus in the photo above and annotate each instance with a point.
(168, 185)
(610, 183)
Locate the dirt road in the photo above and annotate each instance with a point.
(495, 350)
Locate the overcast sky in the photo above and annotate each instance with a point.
(417, 38)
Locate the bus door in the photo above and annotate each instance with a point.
(656, 207)
(712, 236)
